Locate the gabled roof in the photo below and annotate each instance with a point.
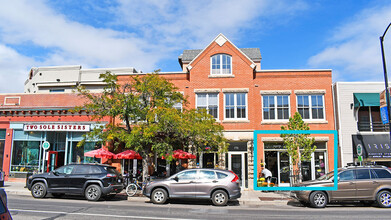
(252, 54)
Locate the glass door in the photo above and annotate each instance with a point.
(237, 163)
(284, 167)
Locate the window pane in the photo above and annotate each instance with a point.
(213, 99)
(363, 174)
(229, 112)
(204, 174)
(201, 100)
(382, 173)
(241, 112)
(213, 111)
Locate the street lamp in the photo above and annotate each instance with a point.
(386, 78)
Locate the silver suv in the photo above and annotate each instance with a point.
(355, 183)
(217, 185)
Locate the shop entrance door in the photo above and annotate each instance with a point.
(52, 162)
(58, 144)
(237, 163)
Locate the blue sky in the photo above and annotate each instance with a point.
(342, 35)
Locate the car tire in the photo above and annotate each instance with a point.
(318, 199)
(220, 198)
(159, 196)
(383, 198)
(38, 190)
(131, 189)
(93, 193)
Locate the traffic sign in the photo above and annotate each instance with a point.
(359, 150)
(45, 145)
(360, 158)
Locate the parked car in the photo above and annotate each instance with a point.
(216, 185)
(91, 180)
(355, 183)
(4, 212)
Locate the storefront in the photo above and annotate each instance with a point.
(28, 154)
(278, 162)
(375, 148)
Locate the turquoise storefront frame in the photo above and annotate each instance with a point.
(292, 188)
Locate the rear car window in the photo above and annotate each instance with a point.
(221, 175)
(81, 170)
(95, 169)
(112, 170)
(207, 174)
(363, 174)
(381, 173)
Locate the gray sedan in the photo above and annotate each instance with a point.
(216, 185)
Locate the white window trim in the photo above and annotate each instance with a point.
(211, 74)
(275, 108)
(310, 106)
(235, 119)
(207, 102)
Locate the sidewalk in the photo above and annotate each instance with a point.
(249, 197)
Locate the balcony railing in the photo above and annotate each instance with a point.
(376, 126)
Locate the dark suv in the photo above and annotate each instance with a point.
(91, 180)
(355, 183)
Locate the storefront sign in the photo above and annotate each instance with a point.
(373, 146)
(56, 127)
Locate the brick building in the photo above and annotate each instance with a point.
(229, 83)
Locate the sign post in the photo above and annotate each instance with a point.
(359, 153)
(45, 146)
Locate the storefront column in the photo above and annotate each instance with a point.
(250, 159)
(7, 152)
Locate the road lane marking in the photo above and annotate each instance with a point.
(100, 215)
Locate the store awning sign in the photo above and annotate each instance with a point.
(372, 146)
(56, 127)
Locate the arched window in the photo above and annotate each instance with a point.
(221, 64)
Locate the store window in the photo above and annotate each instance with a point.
(76, 153)
(26, 151)
(210, 102)
(275, 107)
(310, 106)
(235, 105)
(221, 64)
(369, 119)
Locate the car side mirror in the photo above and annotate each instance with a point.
(176, 178)
(55, 172)
(338, 179)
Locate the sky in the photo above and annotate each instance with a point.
(342, 35)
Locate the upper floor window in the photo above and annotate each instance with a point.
(236, 105)
(310, 106)
(210, 102)
(275, 107)
(221, 64)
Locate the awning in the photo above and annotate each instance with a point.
(373, 146)
(366, 99)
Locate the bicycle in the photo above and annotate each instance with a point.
(131, 188)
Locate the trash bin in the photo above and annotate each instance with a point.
(2, 175)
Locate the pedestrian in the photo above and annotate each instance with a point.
(178, 167)
(267, 175)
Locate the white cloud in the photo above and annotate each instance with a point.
(354, 47)
(138, 34)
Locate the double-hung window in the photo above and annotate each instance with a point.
(221, 64)
(311, 106)
(210, 102)
(235, 105)
(275, 107)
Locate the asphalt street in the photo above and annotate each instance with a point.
(26, 207)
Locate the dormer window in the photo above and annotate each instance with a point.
(221, 64)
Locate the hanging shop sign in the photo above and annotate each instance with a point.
(56, 127)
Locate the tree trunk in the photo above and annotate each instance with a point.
(145, 168)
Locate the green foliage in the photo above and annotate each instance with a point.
(145, 119)
(299, 146)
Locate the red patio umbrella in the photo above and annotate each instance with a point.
(180, 154)
(99, 153)
(128, 154)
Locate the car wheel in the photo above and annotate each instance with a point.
(38, 190)
(58, 195)
(384, 199)
(159, 196)
(93, 193)
(219, 198)
(131, 189)
(318, 199)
